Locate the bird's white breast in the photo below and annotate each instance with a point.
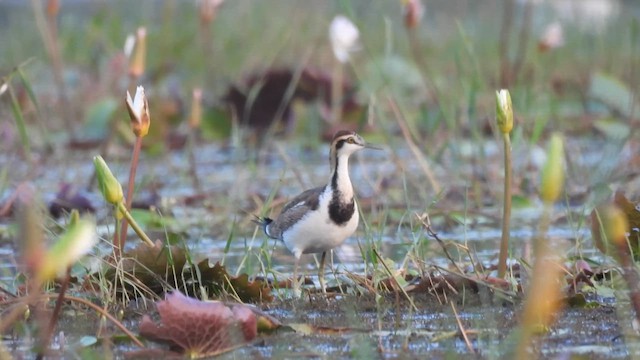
(315, 232)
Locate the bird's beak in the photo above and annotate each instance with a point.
(372, 146)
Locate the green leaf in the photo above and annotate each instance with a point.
(27, 85)
(614, 130)
(612, 92)
(98, 118)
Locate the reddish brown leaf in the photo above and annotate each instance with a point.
(200, 328)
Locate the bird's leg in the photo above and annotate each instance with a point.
(296, 283)
(321, 273)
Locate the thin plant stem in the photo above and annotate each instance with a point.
(505, 31)
(394, 280)
(336, 93)
(422, 161)
(193, 169)
(630, 275)
(119, 246)
(523, 41)
(462, 329)
(104, 313)
(426, 222)
(506, 214)
(134, 225)
(423, 67)
(48, 30)
(544, 286)
(46, 338)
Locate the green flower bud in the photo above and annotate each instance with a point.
(108, 184)
(553, 171)
(504, 111)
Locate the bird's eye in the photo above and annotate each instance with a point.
(351, 140)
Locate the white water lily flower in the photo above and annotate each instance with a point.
(344, 36)
(552, 37)
(138, 108)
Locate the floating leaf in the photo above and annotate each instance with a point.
(200, 328)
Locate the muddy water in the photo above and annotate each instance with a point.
(382, 327)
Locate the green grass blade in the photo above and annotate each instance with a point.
(22, 128)
(27, 85)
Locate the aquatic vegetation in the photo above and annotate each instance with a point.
(243, 95)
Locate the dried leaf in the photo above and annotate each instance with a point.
(216, 280)
(68, 198)
(200, 328)
(153, 267)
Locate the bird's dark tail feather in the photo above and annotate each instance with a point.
(263, 222)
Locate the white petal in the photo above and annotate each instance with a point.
(138, 100)
(128, 45)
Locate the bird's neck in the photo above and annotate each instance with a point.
(340, 181)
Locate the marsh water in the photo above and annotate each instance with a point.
(376, 326)
(212, 218)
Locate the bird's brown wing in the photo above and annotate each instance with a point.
(294, 210)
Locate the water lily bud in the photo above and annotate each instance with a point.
(208, 10)
(553, 170)
(137, 59)
(109, 185)
(74, 217)
(77, 241)
(196, 109)
(138, 109)
(53, 7)
(614, 224)
(552, 37)
(343, 35)
(504, 111)
(413, 13)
